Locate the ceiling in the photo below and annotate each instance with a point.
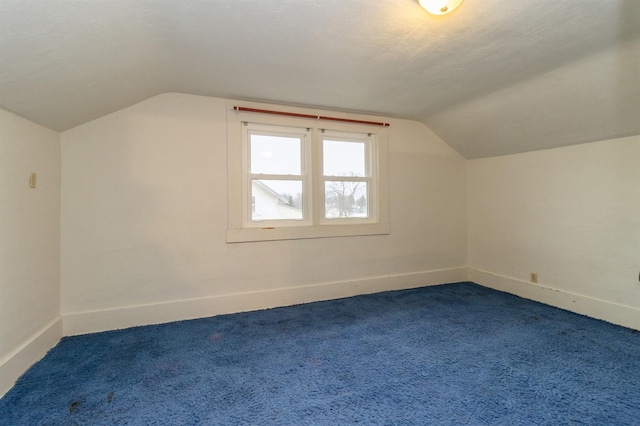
(492, 78)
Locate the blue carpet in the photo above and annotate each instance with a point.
(446, 355)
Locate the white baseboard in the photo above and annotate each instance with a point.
(626, 316)
(19, 361)
(113, 319)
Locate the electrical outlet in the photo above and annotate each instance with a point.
(534, 277)
(32, 180)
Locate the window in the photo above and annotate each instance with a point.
(346, 175)
(276, 180)
(298, 178)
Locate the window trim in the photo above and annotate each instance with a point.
(317, 226)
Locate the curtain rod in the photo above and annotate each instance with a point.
(315, 117)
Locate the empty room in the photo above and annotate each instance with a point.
(319, 212)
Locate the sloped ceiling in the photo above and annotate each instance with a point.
(494, 77)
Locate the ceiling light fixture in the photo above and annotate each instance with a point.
(439, 7)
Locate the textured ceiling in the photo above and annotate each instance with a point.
(492, 78)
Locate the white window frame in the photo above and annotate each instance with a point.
(305, 176)
(371, 172)
(241, 227)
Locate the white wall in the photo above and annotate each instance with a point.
(144, 217)
(570, 214)
(29, 245)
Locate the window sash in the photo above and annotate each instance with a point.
(364, 140)
(274, 206)
(351, 218)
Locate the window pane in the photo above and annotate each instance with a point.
(276, 199)
(277, 155)
(342, 158)
(345, 199)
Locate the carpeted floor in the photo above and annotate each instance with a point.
(447, 355)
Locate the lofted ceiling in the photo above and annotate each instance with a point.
(492, 78)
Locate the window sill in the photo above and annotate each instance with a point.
(241, 235)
